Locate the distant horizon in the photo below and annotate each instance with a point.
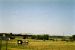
(38, 17)
(69, 34)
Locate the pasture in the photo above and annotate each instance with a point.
(38, 45)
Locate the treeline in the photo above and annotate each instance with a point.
(7, 35)
(72, 38)
(47, 37)
(40, 37)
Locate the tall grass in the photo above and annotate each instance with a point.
(39, 45)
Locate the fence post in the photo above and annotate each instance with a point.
(0, 43)
(6, 43)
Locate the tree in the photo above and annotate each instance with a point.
(73, 37)
(46, 37)
(39, 37)
(33, 37)
(11, 36)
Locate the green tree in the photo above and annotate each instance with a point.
(33, 37)
(73, 37)
(46, 37)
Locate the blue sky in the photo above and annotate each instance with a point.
(53, 17)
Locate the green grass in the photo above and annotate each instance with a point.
(39, 45)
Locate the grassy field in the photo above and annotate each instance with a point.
(38, 45)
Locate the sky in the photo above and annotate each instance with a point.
(54, 17)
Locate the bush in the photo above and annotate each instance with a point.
(12, 37)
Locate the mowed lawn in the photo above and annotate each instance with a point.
(39, 45)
